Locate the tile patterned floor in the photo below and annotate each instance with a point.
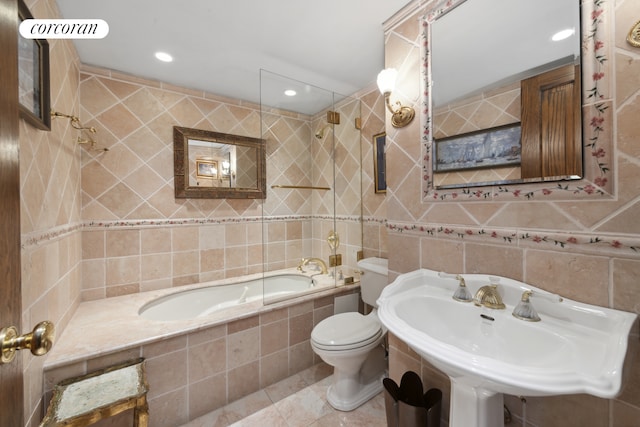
(298, 401)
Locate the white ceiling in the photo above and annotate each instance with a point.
(220, 46)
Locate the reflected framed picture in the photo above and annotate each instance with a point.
(33, 77)
(380, 162)
(489, 148)
(206, 169)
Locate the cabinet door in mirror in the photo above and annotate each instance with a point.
(218, 165)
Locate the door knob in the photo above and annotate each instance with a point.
(39, 341)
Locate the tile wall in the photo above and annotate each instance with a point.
(50, 211)
(583, 249)
(374, 205)
(138, 237)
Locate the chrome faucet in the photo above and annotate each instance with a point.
(317, 261)
(488, 296)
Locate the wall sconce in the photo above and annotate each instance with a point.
(400, 115)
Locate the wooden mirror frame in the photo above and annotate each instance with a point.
(181, 137)
(597, 122)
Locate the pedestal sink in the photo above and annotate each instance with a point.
(574, 348)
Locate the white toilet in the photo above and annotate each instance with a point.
(351, 343)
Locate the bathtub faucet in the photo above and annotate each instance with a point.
(317, 261)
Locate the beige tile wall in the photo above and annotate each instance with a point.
(374, 205)
(50, 211)
(583, 249)
(128, 191)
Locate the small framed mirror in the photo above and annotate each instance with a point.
(214, 165)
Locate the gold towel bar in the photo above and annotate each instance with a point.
(301, 187)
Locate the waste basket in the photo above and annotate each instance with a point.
(407, 406)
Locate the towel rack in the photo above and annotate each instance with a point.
(301, 187)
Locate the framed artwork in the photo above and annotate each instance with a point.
(379, 163)
(206, 168)
(33, 77)
(499, 146)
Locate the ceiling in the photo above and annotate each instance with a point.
(221, 46)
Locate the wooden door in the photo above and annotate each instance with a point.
(11, 388)
(551, 124)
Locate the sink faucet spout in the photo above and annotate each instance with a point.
(488, 296)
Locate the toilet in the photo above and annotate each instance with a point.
(351, 343)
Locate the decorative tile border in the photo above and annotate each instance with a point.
(34, 239)
(596, 244)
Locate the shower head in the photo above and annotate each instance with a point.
(320, 133)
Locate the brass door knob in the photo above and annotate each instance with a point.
(39, 341)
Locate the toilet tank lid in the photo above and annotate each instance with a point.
(376, 265)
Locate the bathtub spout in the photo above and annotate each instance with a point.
(320, 263)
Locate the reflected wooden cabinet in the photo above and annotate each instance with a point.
(551, 124)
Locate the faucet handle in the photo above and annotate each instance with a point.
(524, 310)
(462, 293)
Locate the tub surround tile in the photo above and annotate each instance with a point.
(274, 367)
(211, 392)
(170, 409)
(207, 359)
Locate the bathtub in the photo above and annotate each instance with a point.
(206, 300)
(124, 322)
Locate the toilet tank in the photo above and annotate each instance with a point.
(373, 279)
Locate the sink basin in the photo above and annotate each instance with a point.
(575, 348)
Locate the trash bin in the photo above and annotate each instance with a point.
(407, 406)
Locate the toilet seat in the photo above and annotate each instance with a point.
(346, 331)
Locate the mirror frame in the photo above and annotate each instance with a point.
(597, 120)
(181, 137)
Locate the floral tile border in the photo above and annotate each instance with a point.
(587, 243)
(34, 239)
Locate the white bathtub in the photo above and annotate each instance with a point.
(203, 301)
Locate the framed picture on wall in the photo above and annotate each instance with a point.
(380, 162)
(499, 146)
(33, 77)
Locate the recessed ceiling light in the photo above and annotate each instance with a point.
(290, 92)
(164, 57)
(564, 34)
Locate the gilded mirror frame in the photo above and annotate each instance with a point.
(181, 137)
(597, 120)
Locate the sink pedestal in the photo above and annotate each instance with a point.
(475, 407)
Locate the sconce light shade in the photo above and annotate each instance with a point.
(387, 80)
(400, 115)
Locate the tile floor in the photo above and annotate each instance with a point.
(297, 401)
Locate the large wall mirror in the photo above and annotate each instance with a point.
(218, 165)
(512, 88)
